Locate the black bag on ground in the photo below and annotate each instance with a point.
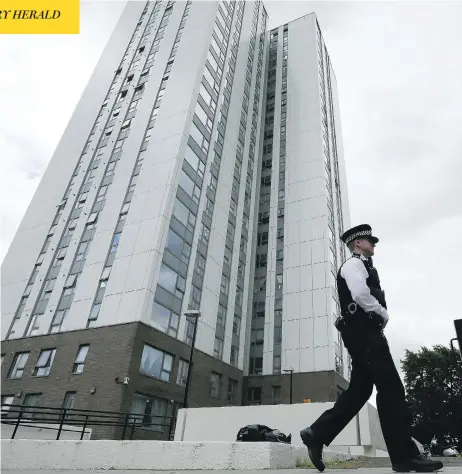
(255, 433)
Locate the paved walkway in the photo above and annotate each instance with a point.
(361, 470)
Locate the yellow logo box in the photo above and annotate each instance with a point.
(49, 17)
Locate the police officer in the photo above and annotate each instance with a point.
(363, 317)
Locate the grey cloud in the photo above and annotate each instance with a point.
(28, 154)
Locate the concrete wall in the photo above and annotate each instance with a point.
(144, 455)
(223, 424)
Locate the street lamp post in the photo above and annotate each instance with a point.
(291, 374)
(194, 315)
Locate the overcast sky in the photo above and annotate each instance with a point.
(399, 71)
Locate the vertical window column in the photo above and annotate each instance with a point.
(277, 341)
(335, 226)
(104, 278)
(227, 261)
(259, 297)
(238, 306)
(211, 84)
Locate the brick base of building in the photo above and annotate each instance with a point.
(111, 377)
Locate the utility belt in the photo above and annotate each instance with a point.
(357, 314)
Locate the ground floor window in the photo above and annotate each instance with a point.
(7, 400)
(150, 412)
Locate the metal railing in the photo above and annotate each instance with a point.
(456, 356)
(61, 419)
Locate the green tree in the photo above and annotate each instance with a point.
(434, 392)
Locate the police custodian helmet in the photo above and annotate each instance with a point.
(360, 231)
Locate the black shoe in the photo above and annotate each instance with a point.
(418, 464)
(314, 448)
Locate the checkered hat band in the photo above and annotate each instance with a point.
(358, 234)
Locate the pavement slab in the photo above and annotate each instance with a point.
(361, 470)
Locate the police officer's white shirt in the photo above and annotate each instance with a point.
(355, 274)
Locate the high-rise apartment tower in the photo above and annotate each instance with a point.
(202, 169)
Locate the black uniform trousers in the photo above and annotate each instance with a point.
(372, 364)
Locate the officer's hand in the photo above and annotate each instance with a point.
(385, 318)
